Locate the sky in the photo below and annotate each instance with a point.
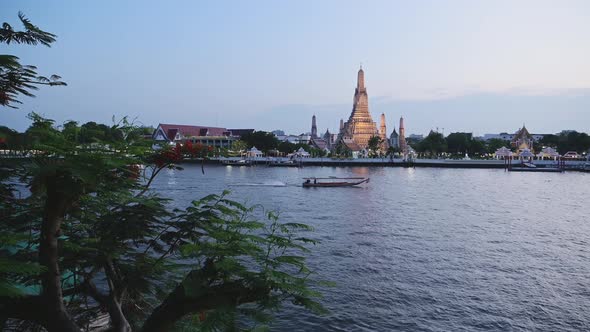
(475, 66)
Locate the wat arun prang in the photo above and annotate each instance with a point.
(360, 127)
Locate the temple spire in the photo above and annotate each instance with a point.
(360, 127)
(360, 83)
(383, 128)
(314, 128)
(402, 134)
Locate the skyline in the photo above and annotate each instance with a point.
(481, 68)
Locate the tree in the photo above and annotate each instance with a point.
(433, 144)
(239, 146)
(550, 140)
(459, 142)
(17, 79)
(287, 147)
(91, 237)
(477, 147)
(373, 145)
(495, 143)
(262, 140)
(391, 151)
(95, 239)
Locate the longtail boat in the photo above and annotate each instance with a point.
(233, 162)
(333, 182)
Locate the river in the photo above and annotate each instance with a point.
(427, 249)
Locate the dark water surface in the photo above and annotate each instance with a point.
(428, 249)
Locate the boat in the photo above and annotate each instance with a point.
(333, 182)
(233, 162)
(529, 165)
(288, 163)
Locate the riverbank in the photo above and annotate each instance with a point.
(573, 165)
(568, 165)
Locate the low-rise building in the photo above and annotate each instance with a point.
(295, 139)
(212, 136)
(416, 137)
(510, 137)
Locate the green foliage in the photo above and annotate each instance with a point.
(459, 142)
(235, 247)
(374, 145)
(342, 151)
(239, 146)
(567, 141)
(286, 147)
(433, 144)
(494, 144)
(121, 241)
(262, 140)
(17, 79)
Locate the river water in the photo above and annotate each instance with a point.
(427, 249)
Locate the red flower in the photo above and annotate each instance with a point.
(134, 171)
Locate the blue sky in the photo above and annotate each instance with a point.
(478, 66)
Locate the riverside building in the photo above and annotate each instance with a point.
(213, 136)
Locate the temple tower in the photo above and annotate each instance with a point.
(383, 133)
(314, 128)
(360, 126)
(341, 125)
(383, 128)
(402, 134)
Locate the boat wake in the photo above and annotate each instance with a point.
(263, 184)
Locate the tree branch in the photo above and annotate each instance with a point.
(179, 303)
(56, 205)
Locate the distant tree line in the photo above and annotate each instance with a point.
(567, 141)
(459, 144)
(268, 143)
(90, 132)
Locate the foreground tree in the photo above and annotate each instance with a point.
(17, 79)
(91, 238)
(82, 234)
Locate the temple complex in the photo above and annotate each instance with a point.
(522, 140)
(356, 132)
(322, 143)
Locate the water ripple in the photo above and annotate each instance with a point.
(428, 249)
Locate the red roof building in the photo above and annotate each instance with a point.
(215, 136)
